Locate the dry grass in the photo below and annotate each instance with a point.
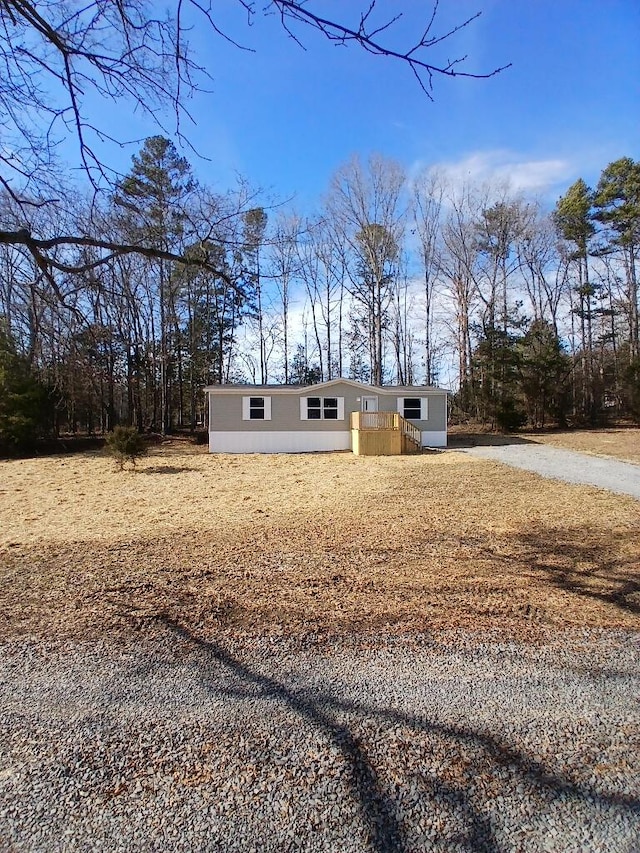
(310, 543)
(620, 443)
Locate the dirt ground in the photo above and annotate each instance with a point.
(312, 544)
(621, 443)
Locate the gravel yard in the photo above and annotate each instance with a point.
(622, 478)
(445, 742)
(613, 442)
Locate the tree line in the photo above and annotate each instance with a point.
(532, 313)
(116, 307)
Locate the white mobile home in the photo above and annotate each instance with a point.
(337, 415)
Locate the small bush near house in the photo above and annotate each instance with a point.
(126, 444)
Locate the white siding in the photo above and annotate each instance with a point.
(434, 438)
(278, 441)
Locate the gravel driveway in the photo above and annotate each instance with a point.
(444, 743)
(567, 465)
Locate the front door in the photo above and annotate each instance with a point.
(369, 404)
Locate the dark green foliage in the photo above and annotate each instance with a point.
(543, 370)
(617, 200)
(572, 216)
(496, 362)
(255, 224)
(301, 372)
(153, 201)
(126, 444)
(631, 389)
(214, 310)
(617, 207)
(508, 414)
(24, 400)
(518, 379)
(153, 195)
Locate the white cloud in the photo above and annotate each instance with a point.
(538, 177)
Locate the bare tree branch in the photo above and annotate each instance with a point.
(54, 54)
(366, 36)
(40, 250)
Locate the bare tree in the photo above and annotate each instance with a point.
(541, 267)
(500, 226)
(366, 202)
(56, 55)
(459, 270)
(285, 268)
(428, 191)
(255, 225)
(369, 31)
(322, 252)
(403, 337)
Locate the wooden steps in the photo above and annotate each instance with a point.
(383, 434)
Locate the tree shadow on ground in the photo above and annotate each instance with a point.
(572, 561)
(169, 447)
(337, 719)
(463, 440)
(164, 469)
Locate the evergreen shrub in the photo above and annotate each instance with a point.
(125, 443)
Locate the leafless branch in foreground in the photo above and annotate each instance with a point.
(56, 54)
(366, 34)
(40, 250)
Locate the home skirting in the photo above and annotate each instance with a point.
(434, 438)
(306, 441)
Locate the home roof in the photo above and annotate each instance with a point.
(320, 386)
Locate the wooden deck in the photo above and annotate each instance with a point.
(383, 434)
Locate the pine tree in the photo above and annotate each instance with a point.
(543, 368)
(24, 401)
(153, 199)
(255, 226)
(617, 207)
(573, 219)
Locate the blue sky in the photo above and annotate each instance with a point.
(286, 118)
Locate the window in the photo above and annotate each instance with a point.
(330, 409)
(413, 408)
(256, 408)
(314, 408)
(322, 408)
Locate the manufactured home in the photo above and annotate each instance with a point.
(337, 415)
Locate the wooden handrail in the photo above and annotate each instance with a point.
(375, 420)
(411, 430)
(386, 420)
